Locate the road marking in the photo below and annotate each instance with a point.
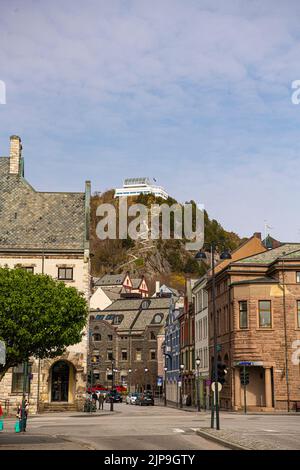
(270, 430)
(178, 430)
(194, 429)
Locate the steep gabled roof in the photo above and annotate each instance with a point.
(111, 280)
(35, 220)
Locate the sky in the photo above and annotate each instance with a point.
(194, 93)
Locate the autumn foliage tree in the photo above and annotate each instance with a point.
(39, 316)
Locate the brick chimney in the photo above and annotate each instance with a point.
(15, 155)
(257, 235)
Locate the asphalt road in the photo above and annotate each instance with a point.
(127, 428)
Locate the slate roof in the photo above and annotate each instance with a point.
(269, 256)
(111, 280)
(136, 317)
(136, 283)
(135, 304)
(38, 220)
(112, 293)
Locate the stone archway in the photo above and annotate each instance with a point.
(60, 381)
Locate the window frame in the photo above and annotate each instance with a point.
(260, 325)
(65, 278)
(247, 315)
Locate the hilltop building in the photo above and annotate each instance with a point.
(137, 186)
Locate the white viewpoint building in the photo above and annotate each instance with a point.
(137, 186)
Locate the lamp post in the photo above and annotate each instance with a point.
(198, 362)
(129, 373)
(25, 390)
(112, 385)
(181, 380)
(165, 386)
(201, 256)
(145, 372)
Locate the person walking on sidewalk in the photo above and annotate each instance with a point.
(1, 417)
(101, 401)
(23, 415)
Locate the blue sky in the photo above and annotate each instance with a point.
(194, 93)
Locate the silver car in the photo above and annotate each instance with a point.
(131, 397)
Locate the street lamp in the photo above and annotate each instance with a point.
(198, 362)
(200, 256)
(112, 384)
(129, 372)
(181, 381)
(165, 387)
(145, 370)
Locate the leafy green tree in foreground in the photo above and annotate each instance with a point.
(39, 316)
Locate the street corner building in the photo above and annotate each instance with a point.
(48, 233)
(258, 326)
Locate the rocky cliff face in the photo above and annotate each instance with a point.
(167, 260)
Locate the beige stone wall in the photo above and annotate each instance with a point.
(76, 355)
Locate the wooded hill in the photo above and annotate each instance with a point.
(167, 260)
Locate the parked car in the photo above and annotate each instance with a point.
(117, 398)
(145, 398)
(131, 398)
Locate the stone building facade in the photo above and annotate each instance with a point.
(129, 334)
(258, 316)
(46, 233)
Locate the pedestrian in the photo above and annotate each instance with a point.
(101, 401)
(94, 398)
(22, 414)
(1, 418)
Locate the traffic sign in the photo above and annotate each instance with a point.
(213, 386)
(159, 381)
(2, 353)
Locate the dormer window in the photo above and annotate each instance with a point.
(157, 318)
(145, 304)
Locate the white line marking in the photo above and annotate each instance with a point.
(178, 430)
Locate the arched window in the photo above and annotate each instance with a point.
(96, 337)
(152, 335)
(92, 317)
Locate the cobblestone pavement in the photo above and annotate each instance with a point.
(258, 431)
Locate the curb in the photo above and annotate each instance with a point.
(219, 440)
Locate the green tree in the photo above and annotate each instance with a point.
(39, 316)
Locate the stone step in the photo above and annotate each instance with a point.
(57, 407)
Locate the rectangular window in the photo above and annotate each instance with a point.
(152, 355)
(298, 313)
(110, 337)
(109, 355)
(124, 354)
(138, 355)
(29, 269)
(18, 379)
(243, 309)
(298, 276)
(65, 274)
(265, 320)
